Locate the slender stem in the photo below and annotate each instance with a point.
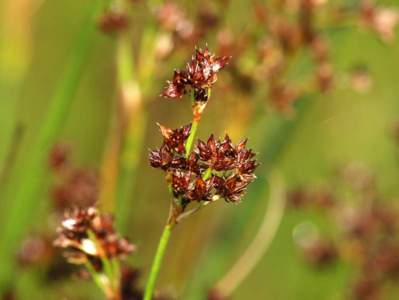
(191, 137)
(128, 99)
(186, 214)
(130, 157)
(261, 242)
(95, 276)
(126, 146)
(156, 265)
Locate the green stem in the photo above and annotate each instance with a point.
(135, 82)
(21, 210)
(96, 277)
(191, 137)
(129, 160)
(156, 265)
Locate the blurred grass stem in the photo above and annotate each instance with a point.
(22, 207)
(261, 242)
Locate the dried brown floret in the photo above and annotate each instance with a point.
(175, 139)
(214, 169)
(86, 235)
(199, 76)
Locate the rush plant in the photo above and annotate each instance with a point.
(202, 172)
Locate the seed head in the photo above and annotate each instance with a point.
(214, 169)
(87, 235)
(199, 76)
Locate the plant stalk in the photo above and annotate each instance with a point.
(156, 265)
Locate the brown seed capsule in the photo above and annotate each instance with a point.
(199, 76)
(87, 235)
(175, 139)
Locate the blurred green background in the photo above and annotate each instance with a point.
(335, 128)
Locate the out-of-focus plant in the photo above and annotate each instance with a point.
(89, 239)
(365, 231)
(24, 192)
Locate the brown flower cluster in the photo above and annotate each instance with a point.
(198, 76)
(286, 37)
(214, 169)
(320, 252)
(88, 236)
(112, 21)
(172, 18)
(182, 31)
(74, 186)
(291, 31)
(317, 197)
(382, 20)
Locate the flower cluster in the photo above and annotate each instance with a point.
(214, 169)
(180, 30)
(112, 21)
(74, 186)
(89, 236)
(198, 76)
(382, 20)
(173, 19)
